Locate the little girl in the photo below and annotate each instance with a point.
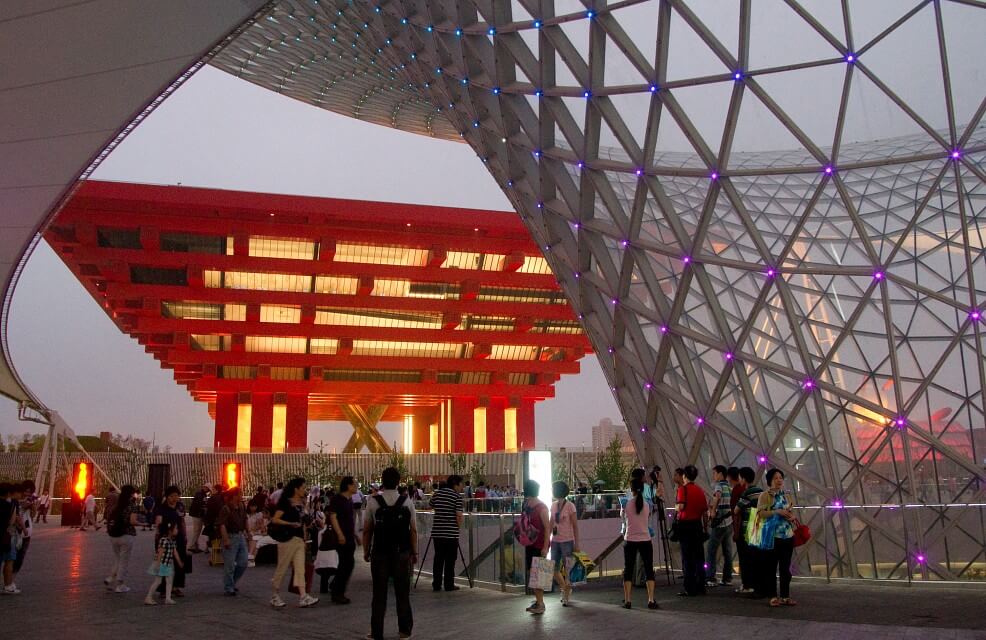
(163, 566)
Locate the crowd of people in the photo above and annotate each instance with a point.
(315, 531)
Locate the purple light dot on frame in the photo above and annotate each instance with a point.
(808, 384)
(738, 75)
(762, 459)
(920, 558)
(614, 300)
(648, 386)
(837, 504)
(728, 355)
(714, 175)
(639, 172)
(975, 314)
(771, 272)
(653, 88)
(643, 429)
(581, 164)
(901, 422)
(577, 276)
(850, 57)
(624, 243)
(610, 350)
(878, 275)
(686, 259)
(664, 328)
(956, 154)
(586, 94)
(700, 421)
(828, 169)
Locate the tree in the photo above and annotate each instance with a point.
(559, 469)
(457, 463)
(477, 472)
(398, 460)
(610, 468)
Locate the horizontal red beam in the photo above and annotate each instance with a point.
(274, 329)
(220, 262)
(347, 390)
(128, 291)
(177, 357)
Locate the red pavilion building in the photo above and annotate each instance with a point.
(276, 310)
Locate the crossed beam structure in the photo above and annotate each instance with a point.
(817, 309)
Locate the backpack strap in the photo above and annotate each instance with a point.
(400, 501)
(380, 501)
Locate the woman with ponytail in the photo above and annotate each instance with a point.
(637, 541)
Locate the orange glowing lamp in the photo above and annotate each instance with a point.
(232, 475)
(83, 480)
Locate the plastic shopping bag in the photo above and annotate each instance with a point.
(542, 574)
(576, 571)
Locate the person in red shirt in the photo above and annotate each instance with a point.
(692, 507)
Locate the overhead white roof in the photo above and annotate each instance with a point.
(73, 76)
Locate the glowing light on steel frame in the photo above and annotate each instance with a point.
(82, 481)
(232, 474)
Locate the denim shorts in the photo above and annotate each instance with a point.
(560, 551)
(9, 555)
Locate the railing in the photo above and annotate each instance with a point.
(910, 543)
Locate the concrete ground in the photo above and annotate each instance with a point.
(63, 594)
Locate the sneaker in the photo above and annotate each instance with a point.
(745, 590)
(251, 563)
(121, 588)
(710, 584)
(276, 602)
(151, 602)
(723, 583)
(536, 610)
(11, 589)
(405, 636)
(307, 600)
(169, 601)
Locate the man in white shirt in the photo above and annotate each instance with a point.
(358, 500)
(90, 514)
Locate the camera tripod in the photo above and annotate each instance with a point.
(665, 542)
(424, 557)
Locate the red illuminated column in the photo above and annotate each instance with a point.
(463, 439)
(495, 437)
(226, 413)
(262, 422)
(525, 424)
(421, 431)
(296, 430)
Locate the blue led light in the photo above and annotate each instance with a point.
(590, 14)
(465, 81)
(475, 124)
(429, 28)
(458, 32)
(737, 76)
(491, 31)
(586, 94)
(496, 91)
(438, 70)
(653, 88)
(538, 93)
(537, 24)
(403, 20)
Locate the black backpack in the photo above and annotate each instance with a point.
(391, 526)
(120, 523)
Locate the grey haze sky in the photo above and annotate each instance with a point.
(221, 132)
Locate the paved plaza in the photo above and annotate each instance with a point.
(62, 590)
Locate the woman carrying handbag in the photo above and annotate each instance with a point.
(776, 524)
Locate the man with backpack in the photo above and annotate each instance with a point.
(390, 545)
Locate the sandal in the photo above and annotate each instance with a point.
(775, 602)
(790, 602)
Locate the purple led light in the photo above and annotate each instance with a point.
(625, 243)
(540, 205)
(643, 429)
(771, 272)
(955, 155)
(639, 172)
(653, 88)
(581, 164)
(975, 314)
(828, 169)
(920, 558)
(610, 350)
(836, 504)
(728, 355)
(577, 276)
(738, 76)
(700, 421)
(762, 459)
(614, 300)
(808, 384)
(664, 328)
(714, 175)
(686, 259)
(900, 422)
(850, 57)
(578, 225)
(648, 386)
(878, 275)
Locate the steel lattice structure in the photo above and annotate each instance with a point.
(816, 309)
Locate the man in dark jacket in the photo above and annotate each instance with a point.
(212, 508)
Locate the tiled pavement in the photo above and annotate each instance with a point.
(63, 594)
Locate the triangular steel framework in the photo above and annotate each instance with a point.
(818, 309)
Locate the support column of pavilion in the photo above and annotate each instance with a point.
(365, 433)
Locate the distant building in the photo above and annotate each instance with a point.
(604, 432)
